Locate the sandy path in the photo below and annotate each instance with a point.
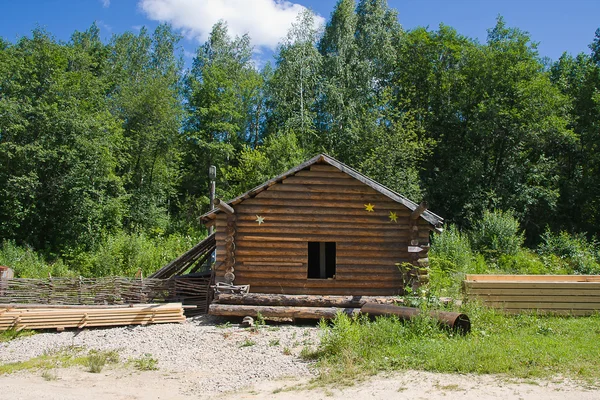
(119, 384)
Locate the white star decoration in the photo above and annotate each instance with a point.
(260, 220)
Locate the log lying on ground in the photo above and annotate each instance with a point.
(455, 321)
(82, 317)
(260, 299)
(234, 310)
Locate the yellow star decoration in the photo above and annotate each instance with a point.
(393, 217)
(369, 207)
(260, 220)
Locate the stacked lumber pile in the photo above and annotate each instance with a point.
(555, 294)
(27, 316)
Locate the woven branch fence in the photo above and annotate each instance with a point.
(109, 290)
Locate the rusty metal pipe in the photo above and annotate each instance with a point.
(457, 322)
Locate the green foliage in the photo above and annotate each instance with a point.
(571, 253)
(125, 254)
(105, 146)
(27, 263)
(520, 346)
(121, 254)
(10, 334)
(497, 233)
(146, 363)
(96, 360)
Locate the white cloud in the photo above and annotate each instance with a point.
(266, 21)
(105, 3)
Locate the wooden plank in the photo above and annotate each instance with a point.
(532, 285)
(323, 174)
(541, 299)
(534, 292)
(324, 167)
(290, 187)
(532, 278)
(548, 306)
(300, 180)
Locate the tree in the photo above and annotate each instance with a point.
(294, 86)
(58, 143)
(146, 98)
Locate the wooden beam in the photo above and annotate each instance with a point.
(221, 205)
(419, 210)
(258, 299)
(230, 310)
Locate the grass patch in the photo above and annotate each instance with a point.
(524, 346)
(49, 375)
(71, 356)
(145, 363)
(11, 334)
(247, 343)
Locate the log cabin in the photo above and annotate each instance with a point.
(321, 228)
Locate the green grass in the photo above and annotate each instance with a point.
(10, 334)
(526, 346)
(145, 363)
(67, 357)
(247, 343)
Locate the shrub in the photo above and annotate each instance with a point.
(124, 254)
(451, 257)
(146, 363)
(497, 233)
(570, 253)
(526, 262)
(28, 264)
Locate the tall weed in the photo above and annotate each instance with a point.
(497, 233)
(570, 253)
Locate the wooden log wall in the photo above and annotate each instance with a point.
(556, 294)
(319, 204)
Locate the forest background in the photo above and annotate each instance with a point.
(105, 146)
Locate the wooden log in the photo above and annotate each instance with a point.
(221, 205)
(258, 299)
(453, 320)
(230, 310)
(266, 288)
(419, 210)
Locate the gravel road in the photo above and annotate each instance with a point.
(221, 358)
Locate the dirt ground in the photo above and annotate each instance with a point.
(122, 384)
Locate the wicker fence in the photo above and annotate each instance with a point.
(109, 290)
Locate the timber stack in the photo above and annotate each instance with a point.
(28, 316)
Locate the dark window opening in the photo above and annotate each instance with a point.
(321, 260)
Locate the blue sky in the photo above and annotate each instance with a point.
(557, 25)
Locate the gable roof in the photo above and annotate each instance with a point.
(428, 216)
